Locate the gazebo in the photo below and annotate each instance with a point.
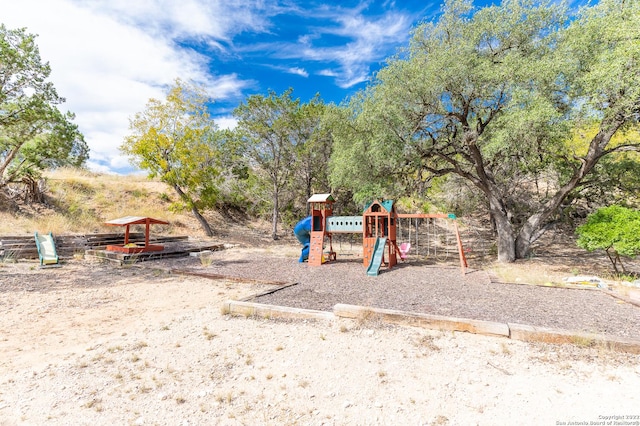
(127, 221)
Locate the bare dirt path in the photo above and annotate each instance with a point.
(97, 344)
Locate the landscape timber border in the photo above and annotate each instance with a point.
(514, 331)
(522, 332)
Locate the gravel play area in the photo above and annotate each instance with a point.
(417, 286)
(103, 344)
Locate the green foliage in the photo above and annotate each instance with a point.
(615, 180)
(456, 101)
(603, 43)
(287, 145)
(176, 141)
(34, 133)
(612, 227)
(366, 159)
(415, 205)
(312, 153)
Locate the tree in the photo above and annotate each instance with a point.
(614, 229)
(177, 141)
(492, 97)
(34, 133)
(313, 150)
(280, 136)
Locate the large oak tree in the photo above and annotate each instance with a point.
(492, 96)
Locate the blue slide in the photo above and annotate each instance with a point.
(376, 260)
(302, 231)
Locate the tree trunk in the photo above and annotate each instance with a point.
(5, 164)
(523, 245)
(535, 226)
(203, 222)
(506, 237)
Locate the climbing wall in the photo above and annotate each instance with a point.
(315, 248)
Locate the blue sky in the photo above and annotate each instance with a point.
(109, 57)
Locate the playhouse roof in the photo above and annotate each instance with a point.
(321, 198)
(386, 204)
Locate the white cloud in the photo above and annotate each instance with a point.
(108, 65)
(217, 20)
(99, 168)
(370, 41)
(227, 86)
(119, 162)
(227, 122)
(328, 73)
(289, 70)
(298, 71)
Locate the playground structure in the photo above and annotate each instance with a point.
(378, 225)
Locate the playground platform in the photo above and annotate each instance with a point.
(171, 250)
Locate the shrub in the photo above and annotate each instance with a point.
(614, 229)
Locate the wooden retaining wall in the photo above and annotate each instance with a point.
(513, 331)
(24, 247)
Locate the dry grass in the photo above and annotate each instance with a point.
(526, 273)
(554, 272)
(80, 201)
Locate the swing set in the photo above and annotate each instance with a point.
(432, 235)
(380, 226)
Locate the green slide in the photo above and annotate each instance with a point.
(376, 260)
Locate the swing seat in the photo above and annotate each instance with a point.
(404, 250)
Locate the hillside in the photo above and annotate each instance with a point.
(77, 202)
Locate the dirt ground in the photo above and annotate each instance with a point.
(93, 343)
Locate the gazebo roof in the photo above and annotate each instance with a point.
(135, 220)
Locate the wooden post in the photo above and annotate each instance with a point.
(463, 258)
(417, 243)
(146, 232)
